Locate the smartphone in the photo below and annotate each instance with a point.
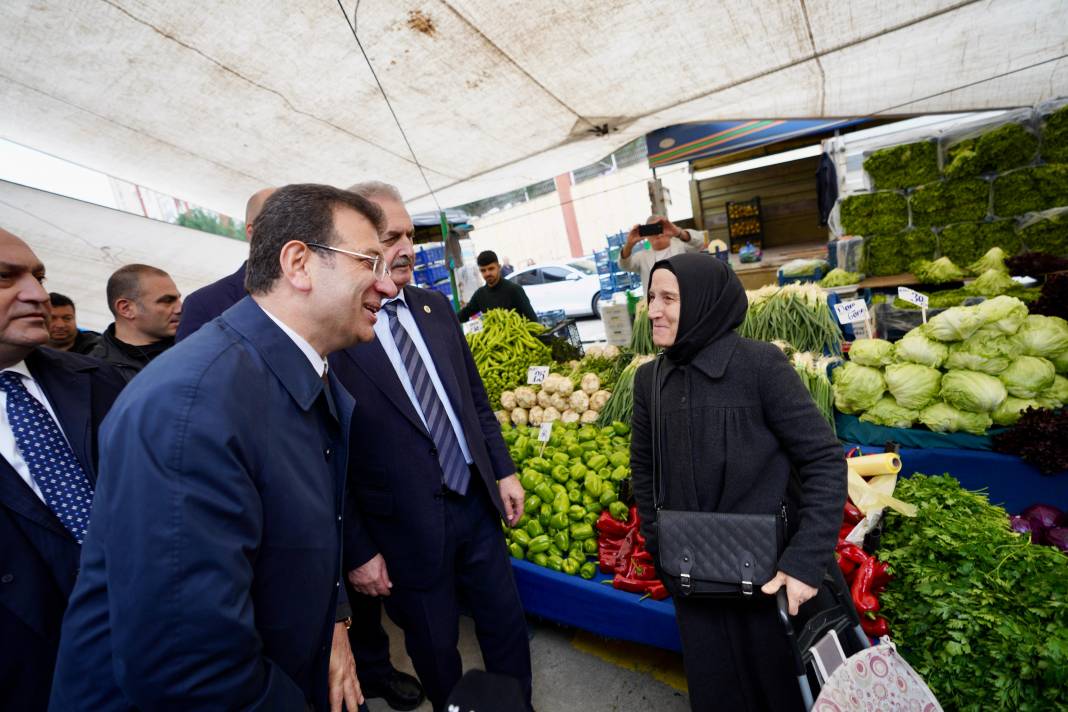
(649, 230)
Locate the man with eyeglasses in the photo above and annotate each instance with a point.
(210, 575)
(432, 481)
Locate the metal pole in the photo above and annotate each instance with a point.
(451, 262)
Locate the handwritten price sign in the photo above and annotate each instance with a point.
(852, 312)
(536, 375)
(913, 297)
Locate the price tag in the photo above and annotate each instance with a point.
(913, 297)
(546, 432)
(536, 375)
(851, 312)
(472, 327)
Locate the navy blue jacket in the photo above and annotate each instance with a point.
(210, 574)
(210, 301)
(396, 507)
(38, 556)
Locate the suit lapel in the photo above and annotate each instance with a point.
(372, 360)
(17, 496)
(436, 338)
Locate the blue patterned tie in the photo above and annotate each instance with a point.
(450, 456)
(52, 463)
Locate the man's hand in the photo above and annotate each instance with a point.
(371, 579)
(512, 495)
(671, 229)
(797, 592)
(344, 687)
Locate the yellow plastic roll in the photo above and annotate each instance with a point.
(876, 494)
(885, 463)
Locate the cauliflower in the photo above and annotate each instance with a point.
(569, 416)
(559, 402)
(508, 400)
(564, 386)
(525, 397)
(580, 402)
(590, 416)
(544, 398)
(550, 414)
(590, 384)
(549, 384)
(598, 399)
(594, 351)
(610, 352)
(503, 417)
(519, 416)
(536, 415)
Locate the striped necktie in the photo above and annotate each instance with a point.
(52, 463)
(450, 456)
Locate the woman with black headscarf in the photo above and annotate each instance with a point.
(736, 422)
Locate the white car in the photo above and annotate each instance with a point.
(572, 287)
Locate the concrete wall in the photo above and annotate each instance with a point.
(81, 244)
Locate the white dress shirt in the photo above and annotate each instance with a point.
(8, 448)
(385, 337)
(318, 363)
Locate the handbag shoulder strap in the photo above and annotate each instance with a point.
(658, 495)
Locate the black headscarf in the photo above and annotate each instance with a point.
(712, 302)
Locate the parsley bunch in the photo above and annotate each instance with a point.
(977, 610)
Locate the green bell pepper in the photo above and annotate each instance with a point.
(576, 512)
(591, 518)
(621, 428)
(597, 462)
(594, 485)
(560, 503)
(534, 529)
(532, 505)
(571, 567)
(521, 537)
(544, 493)
(516, 550)
(575, 496)
(607, 497)
(559, 521)
(588, 570)
(562, 540)
(619, 511)
(578, 471)
(556, 563)
(581, 531)
(539, 544)
(560, 458)
(586, 433)
(589, 546)
(530, 479)
(554, 550)
(557, 488)
(561, 474)
(539, 559)
(619, 459)
(575, 450)
(540, 464)
(620, 473)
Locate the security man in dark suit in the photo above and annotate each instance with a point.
(429, 482)
(51, 404)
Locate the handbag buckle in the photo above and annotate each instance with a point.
(684, 583)
(747, 588)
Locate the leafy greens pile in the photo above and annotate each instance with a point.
(980, 613)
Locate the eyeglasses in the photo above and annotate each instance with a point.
(377, 262)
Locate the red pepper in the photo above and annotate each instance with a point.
(635, 585)
(863, 598)
(641, 567)
(658, 592)
(881, 577)
(847, 566)
(852, 552)
(852, 514)
(610, 527)
(607, 561)
(844, 531)
(876, 628)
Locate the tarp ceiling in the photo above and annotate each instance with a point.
(209, 101)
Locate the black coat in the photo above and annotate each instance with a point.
(736, 421)
(38, 556)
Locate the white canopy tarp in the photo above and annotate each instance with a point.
(209, 101)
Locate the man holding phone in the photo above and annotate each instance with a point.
(665, 240)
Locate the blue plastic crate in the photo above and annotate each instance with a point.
(817, 276)
(550, 319)
(429, 255)
(443, 287)
(431, 274)
(608, 284)
(617, 240)
(600, 257)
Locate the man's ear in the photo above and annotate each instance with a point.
(126, 308)
(295, 259)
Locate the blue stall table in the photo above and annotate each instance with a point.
(595, 606)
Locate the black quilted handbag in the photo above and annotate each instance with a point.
(711, 554)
